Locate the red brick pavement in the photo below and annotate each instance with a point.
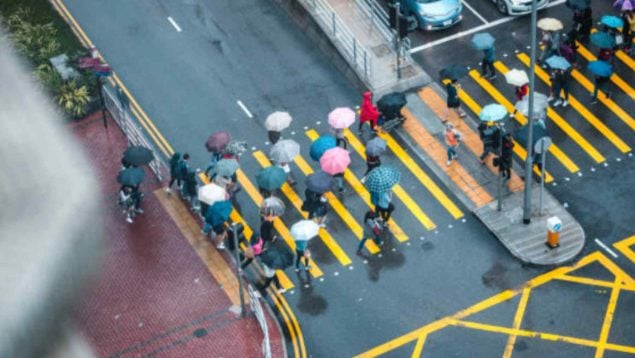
(153, 294)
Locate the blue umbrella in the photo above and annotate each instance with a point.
(218, 213)
(271, 178)
(493, 113)
(602, 40)
(600, 68)
(453, 72)
(612, 21)
(382, 179)
(483, 41)
(319, 182)
(558, 63)
(320, 146)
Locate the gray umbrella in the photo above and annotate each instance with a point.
(131, 176)
(375, 146)
(284, 151)
(319, 182)
(278, 257)
(272, 206)
(226, 167)
(541, 102)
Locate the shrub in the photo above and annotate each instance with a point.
(73, 98)
(35, 41)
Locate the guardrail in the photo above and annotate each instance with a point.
(340, 35)
(256, 308)
(381, 23)
(133, 132)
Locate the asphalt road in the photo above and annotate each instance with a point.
(189, 83)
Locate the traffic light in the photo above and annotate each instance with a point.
(403, 26)
(392, 16)
(403, 21)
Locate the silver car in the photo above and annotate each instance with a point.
(518, 7)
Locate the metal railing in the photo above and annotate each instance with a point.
(340, 35)
(256, 308)
(381, 23)
(133, 131)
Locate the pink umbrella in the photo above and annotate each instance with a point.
(341, 117)
(335, 160)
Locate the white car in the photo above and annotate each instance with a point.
(518, 7)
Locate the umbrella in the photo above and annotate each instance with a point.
(271, 178)
(278, 258)
(382, 178)
(137, 155)
(539, 131)
(319, 182)
(284, 151)
(612, 21)
(375, 146)
(549, 24)
(493, 113)
(217, 141)
(602, 39)
(341, 117)
(600, 68)
(320, 146)
(453, 72)
(335, 160)
(578, 4)
(623, 5)
(272, 206)
(540, 104)
(226, 167)
(131, 176)
(391, 104)
(278, 121)
(516, 77)
(304, 230)
(558, 63)
(211, 193)
(483, 41)
(218, 213)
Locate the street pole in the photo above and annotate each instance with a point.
(499, 194)
(542, 173)
(398, 44)
(100, 85)
(240, 282)
(529, 162)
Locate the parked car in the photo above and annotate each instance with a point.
(433, 14)
(518, 7)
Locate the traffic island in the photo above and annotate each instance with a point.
(528, 242)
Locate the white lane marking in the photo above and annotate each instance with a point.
(176, 26)
(475, 12)
(602, 245)
(240, 103)
(471, 31)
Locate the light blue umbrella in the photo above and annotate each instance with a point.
(602, 40)
(483, 41)
(493, 112)
(320, 146)
(600, 68)
(271, 178)
(558, 63)
(218, 213)
(382, 179)
(612, 21)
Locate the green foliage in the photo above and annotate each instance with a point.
(73, 98)
(35, 41)
(47, 76)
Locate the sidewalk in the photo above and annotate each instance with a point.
(154, 294)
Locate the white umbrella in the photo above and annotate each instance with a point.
(541, 102)
(304, 230)
(211, 193)
(549, 24)
(516, 77)
(284, 151)
(278, 121)
(341, 117)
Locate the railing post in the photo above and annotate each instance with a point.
(365, 65)
(333, 21)
(355, 51)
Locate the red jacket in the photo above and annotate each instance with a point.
(368, 111)
(522, 91)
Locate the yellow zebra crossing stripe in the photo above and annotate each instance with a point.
(585, 113)
(498, 97)
(339, 208)
(327, 239)
(628, 61)
(359, 188)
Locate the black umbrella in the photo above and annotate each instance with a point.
(137, 155)
(319, 182)
(391, 104)
(277, 257)
(454, 72)
(131, 176)
(539, 132)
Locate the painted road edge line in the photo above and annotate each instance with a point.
(606, 248)
(176, 26)
(480, 17)
(244, 108)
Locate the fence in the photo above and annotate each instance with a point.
(262, 321)
(133, 132)
(340, 35)
(381, 23)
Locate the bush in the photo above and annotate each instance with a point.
(35, 41)
(73, 98)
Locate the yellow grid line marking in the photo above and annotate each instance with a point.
(625, 279)
(615, 78)
(339, 208)
(566, 127)
(625, 247)
(360, 189)
(414, 208)
(416, 353)
(584, 112)
(591, 282)
(327, 239)
(554, 149)
(518, 149)
(518, 318)
(608, 320)
(423, 178)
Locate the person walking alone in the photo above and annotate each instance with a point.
(452, 102)
(383, 205)
(489, 134)
(452, 140)
(487, 63)
(599, 83)
(372, 229)
(560, 83)
(506, 159)
(302, 254)
(270, 276)
(368, 113)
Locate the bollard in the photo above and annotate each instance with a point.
(554, 226)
